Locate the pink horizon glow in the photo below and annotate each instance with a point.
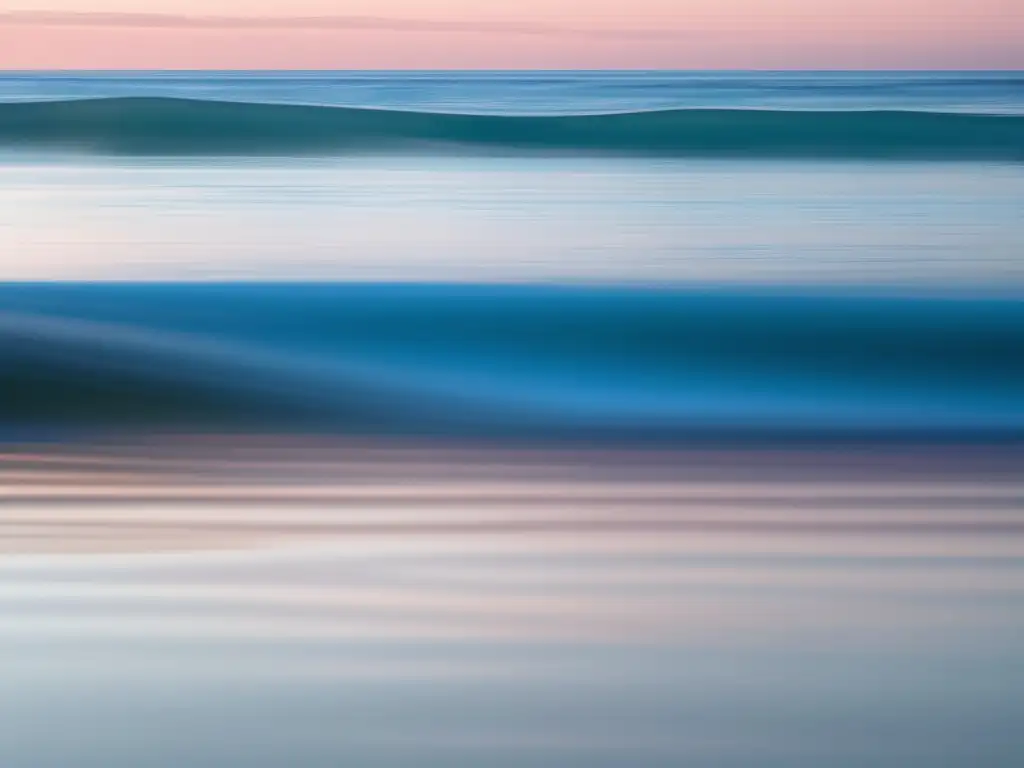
(537, 34)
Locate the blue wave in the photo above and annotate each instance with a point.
(171, 126)
(508, 361)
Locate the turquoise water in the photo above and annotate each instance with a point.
(546, 92)
(907, 179)
(511, 419)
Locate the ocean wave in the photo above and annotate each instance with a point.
(507, 361)
(171, 126)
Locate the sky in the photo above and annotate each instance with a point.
(524, 34)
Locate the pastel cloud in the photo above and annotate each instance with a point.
(316, 23)
(527, 34)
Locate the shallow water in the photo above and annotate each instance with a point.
(747, 620)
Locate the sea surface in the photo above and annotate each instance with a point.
(512, 419)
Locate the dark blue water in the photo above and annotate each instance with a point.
(542, 362)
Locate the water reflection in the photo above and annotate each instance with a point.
(701, 608)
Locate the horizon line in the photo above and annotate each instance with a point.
(823, 70)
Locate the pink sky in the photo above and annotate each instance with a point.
(383, 34)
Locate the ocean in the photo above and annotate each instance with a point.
(511, 419)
